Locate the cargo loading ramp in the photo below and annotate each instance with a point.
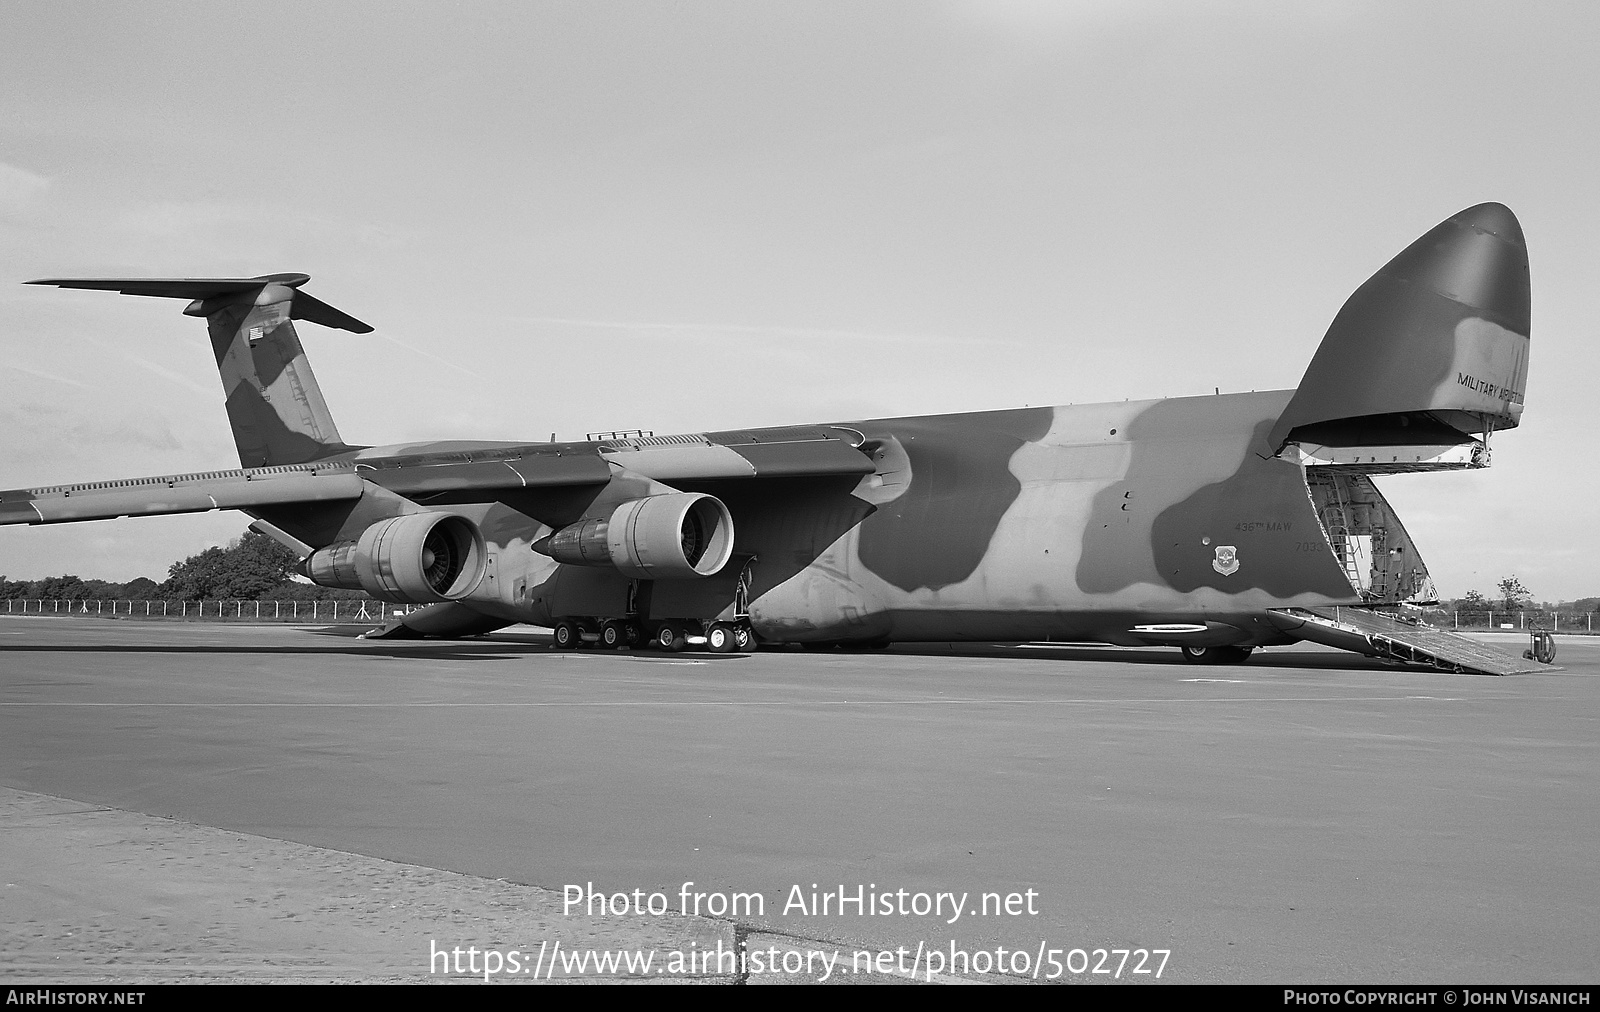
(1387, 635)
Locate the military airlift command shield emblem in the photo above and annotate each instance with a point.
(1227, 560)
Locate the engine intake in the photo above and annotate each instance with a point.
(420, 558)
(677, 536)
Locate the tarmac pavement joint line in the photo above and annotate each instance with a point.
(98, 895)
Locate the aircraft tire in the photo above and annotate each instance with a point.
(744, 639)
(669, 638)
(721, 639)
(614, 635)
(1216, 655)
(566, 636)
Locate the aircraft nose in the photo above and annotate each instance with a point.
(1476, 258)
(1397, 344)
(1496, 219)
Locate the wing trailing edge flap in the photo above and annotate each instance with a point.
(760, 453)
(670, 460)
(192, 493)
(478, 480)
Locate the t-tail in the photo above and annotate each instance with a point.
(274, 404)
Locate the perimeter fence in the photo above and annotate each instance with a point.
(1532, 618)
(329, 611)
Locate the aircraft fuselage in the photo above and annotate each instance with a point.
(1140, 522)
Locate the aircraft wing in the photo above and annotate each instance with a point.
(555, 482)
(567, 475)
(180, 493)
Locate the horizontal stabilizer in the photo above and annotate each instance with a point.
(316, 311)
(176, 288)
(304, 307)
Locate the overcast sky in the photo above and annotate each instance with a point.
(572, 217)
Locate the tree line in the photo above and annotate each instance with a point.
(1511, 596)
(254, 567)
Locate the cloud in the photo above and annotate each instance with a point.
(19, 188)
(1024, 19)
(458, 367)
(41, 374)
(775, 331)
(248, 232)
(41, 435)
(167, 374)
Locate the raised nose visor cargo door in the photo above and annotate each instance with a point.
(1430, 350)
(1422, 364)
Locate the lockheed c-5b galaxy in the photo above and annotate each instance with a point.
(1213, 524)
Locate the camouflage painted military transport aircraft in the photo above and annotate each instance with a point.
(1212, 524)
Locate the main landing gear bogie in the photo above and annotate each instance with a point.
(729, 638)
(717, 637)
(567, 635)
(671, 637)
(617, 634)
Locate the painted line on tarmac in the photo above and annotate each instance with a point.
(752, 703)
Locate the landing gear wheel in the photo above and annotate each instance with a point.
(1216, 655)
(720, 638)
(566, 636)
(744, 638)
(670, 638)
(614, 635)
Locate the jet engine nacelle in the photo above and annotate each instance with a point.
(677, 536)
(420, 558)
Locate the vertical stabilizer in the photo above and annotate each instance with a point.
(274, 404)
